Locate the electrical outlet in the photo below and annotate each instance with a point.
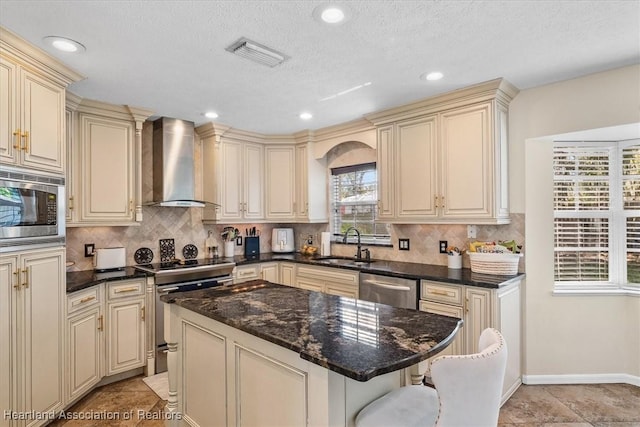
(443, 246)
(239, 241)
(472, 231)
(89, 249)
(403, 244)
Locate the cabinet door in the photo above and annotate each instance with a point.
(70, 184)
(310, 284)
(42, 336)
(253, 182)
(231, 181)
(457, 346)
(302, 183)
(477, 316)
(9, 117)
(467, 162)
(385, 171)
(416, 168)
(84, 351)
(107, 170)
(8, 295)
(246, 273)
(287, 274)
(341, 290)
(280, 183)
(125, 335)
(43, 123)
(269, 272)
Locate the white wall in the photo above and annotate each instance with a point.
(569, 338)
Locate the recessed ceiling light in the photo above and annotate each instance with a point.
(331, 13)
(211, 115)
(434, 75)
(64, 44)
(306, 116)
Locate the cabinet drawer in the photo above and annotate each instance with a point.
(251, 272)
(85, 298)
(435, 291)
(443, 309)
(119, 290)
(329, 275)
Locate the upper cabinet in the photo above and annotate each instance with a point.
(311, 185)
(103, 178)
(280, 166)
(32, 106)
(444, 159)
(233, 175)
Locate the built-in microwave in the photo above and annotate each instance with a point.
(32, 210)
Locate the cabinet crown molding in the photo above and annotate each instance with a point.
(499, 89)
(99, 108)
(35, 58)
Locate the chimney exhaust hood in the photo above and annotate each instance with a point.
(173, 163)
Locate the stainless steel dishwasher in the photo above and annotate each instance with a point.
(392, 291)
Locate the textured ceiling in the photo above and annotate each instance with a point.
(169, 57)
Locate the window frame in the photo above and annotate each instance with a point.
(617, 215)
(365, 239)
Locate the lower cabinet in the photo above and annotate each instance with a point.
(105, 333)
(287, 274)
(332, 281)
(480, 308)
(269, 271)
(32, 289)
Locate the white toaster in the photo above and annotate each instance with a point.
(109, 258)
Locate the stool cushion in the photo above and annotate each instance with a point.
(410, 406)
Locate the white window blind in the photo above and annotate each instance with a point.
(354, 203)
(597, 214)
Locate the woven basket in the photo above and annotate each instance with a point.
(500, 264)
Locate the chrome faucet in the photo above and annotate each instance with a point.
(344, 240)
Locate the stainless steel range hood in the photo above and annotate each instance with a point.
(173, 163)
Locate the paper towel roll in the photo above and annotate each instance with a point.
(325, 243)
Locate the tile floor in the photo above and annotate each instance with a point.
(598, 405)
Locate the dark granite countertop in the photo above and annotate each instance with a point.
(78, 280)
(358, 339)
(407, 270)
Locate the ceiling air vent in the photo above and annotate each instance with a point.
(257, 52)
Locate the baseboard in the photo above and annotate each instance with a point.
(581, 379)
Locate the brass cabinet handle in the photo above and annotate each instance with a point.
(466, 306)
(25, 135)
(87, 299)
(26, 277)
(437, 292)
(16, 281)
(436, 197)
(142, 313)
(70, 203)
(442, 202)
(16, 142)
(130, 205)
(100, 324)
(122, 290)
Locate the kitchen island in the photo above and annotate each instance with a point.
(259, 353)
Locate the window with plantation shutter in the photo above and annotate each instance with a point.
(354, 203)
(596, 198)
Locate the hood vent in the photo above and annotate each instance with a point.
(173, 163)
(257, 52)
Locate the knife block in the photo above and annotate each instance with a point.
(251, 246)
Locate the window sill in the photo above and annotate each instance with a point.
(622, 291)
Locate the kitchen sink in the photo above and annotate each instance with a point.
(340, 260)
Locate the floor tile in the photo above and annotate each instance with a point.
(600, 402)
(535, 405)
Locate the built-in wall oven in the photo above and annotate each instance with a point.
(182, 276)
(32, 210)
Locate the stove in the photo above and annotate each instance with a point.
(179, 271)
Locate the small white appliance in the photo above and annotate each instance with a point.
(282, 240)
(109, 258)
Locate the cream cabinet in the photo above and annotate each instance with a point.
(32, 106)
(125, 323)
(103, 182)
(85, 341)
(32, 333)
(280, 185)
(310, 186)
(444, 159)
(270, 272)
(480, 308)
(332, 281)
(266, 271)
(241, 182)
(287, 274)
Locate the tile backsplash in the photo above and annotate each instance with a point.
(184, 225)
